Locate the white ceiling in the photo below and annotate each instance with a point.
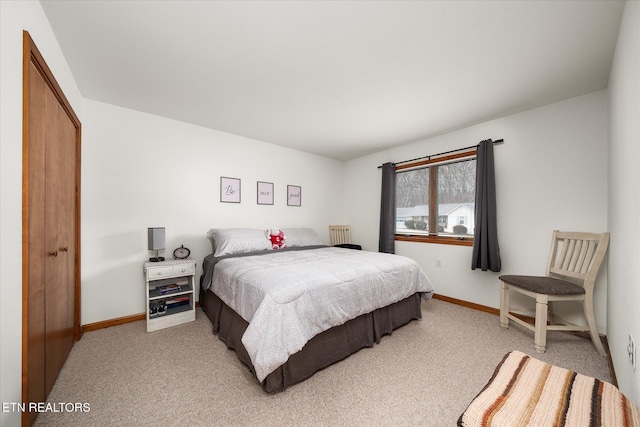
(337, 78)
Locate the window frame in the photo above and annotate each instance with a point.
(433, 207)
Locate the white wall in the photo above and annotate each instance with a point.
(140, 170)
(624, 201)
(16, 16)
(550, 173)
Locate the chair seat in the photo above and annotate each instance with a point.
(543, 285)
(349, 246)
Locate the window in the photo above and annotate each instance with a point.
(435, 199)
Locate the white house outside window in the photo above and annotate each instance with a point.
(436, 199)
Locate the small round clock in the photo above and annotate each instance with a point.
(181, 253)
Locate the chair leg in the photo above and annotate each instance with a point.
(552, 314)
(593, 330)
(504, 304)
(540, 339)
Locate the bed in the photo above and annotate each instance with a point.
(291, 312)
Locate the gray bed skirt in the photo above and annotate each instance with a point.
(321, 351)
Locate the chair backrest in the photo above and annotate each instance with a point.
(339, 234)
(577, 256)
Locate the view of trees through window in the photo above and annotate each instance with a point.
(453, 185)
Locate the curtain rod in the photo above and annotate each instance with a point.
(497, 141)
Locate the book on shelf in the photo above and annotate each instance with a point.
(166, 289)
(176, 299)
(177, 302)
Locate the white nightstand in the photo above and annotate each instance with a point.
(170, 307)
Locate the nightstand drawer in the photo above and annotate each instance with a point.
(183, 270)
(159, 273)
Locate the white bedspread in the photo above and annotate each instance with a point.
(289, 297)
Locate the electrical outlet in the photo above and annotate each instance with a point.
(631, 350)
(438, 263)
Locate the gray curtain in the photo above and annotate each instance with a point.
(486, 252)
(388, 209)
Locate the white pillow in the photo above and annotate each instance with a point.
(301, 237)
(227, 241)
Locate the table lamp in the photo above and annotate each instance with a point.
(156, 242)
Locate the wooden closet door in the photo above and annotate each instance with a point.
(36, 257)
(51, 224)
(59, 237)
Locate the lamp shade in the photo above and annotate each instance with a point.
(156, 238)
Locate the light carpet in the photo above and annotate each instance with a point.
(424, 374)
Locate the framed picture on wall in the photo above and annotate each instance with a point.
(294, 195)
(229, 190)
(265, 193)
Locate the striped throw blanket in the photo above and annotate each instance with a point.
(524, 391)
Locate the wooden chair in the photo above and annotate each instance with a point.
(340, 235)
(571, 273)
